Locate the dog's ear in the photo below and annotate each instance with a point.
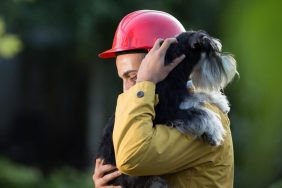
(202, 41)
(214, 70)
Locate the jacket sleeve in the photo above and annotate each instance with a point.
(140, 148)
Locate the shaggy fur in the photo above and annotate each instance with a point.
(205, 69)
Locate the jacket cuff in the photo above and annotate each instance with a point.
(142, 92)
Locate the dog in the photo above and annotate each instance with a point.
(200, 78)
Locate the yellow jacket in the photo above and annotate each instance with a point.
(141, 149)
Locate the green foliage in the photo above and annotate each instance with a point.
(10, 45)
(276, 185)
(254, 29)
(2, 26)
(68, 178)
(13, 175)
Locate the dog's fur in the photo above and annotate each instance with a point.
(207, 71)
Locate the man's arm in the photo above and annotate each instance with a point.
(142, 149)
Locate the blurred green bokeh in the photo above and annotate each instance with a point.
(13, 175)
(60, 41)
(254, 34)
(10, 45)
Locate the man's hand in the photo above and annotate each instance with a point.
(152, 67)
(101, 175)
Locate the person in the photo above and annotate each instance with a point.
(140, 44)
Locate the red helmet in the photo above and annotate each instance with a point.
(140, 29)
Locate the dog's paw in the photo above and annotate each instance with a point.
(214, 135)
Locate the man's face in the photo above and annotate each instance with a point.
(127, 67)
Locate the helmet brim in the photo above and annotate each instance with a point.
(108, 54)
(111, 53)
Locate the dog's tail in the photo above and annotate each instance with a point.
(214, 69)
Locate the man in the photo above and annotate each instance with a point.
(140, 148)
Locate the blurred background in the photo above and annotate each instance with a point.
(56, 95)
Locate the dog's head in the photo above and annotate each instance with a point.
(209, 69)
(205, 64)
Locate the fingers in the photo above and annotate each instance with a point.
(103, 181)
(175, 62)
(165, 45)
(99, 162)
(178, 59)
(103, 169)
(106, 168)
(109, 177)
(157, 44)
(103, 174)
(167, 42)
(153, 66)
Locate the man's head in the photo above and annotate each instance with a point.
(127, 68)
(138, 31)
